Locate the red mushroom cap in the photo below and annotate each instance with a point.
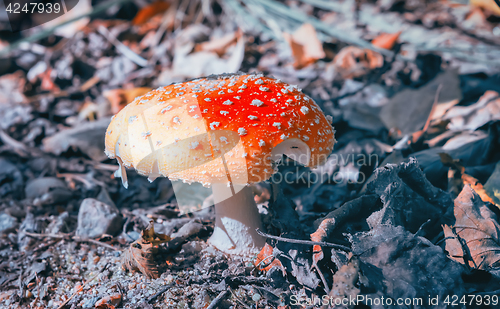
(183, 131)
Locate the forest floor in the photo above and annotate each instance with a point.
(404, 214)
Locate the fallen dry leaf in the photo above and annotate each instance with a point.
(305, 45)
(139, 256)
(471, 117)
(265, 259)
(87, 137)
(386, 40)
(352, 61)
(489, 5)
(345, 281)
(474, 239)
(109, 302)
(478, 188)
(121, 97)
(149, 11)
(218, 45)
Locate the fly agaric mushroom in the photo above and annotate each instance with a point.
(224, 131)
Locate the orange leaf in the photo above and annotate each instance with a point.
(265, 257)
(218, 45)
(478, 187)
(386, 40)
(305, 45)
(109, 302)
(489, 5)
(121, 97)
(149, 11)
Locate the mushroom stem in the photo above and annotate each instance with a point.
(236, 221)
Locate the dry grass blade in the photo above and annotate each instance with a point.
(300, 17)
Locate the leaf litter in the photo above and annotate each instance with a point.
(413, 84)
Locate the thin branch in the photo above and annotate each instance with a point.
(216, 301)
(122, 48)
(165, 288)
(304, 242)
(74, 238)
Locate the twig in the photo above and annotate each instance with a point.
(74, 238)
(122, 48)
(219, 297)
(320, 273)
(165, 288)
(238, 299)
(82, 287)
(304, 242)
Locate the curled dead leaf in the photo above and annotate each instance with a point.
(139, 256)
(352, 61)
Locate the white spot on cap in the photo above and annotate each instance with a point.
(283, 114)
(257, 102)
(245, 155)
(214, 124)
(262, 143)
(221, 92)
(243, 87)
(277, 125)
(305, 138)
(283, 137)
(176, 120)
(237, 97)
(207, 99)
(164, 110)
(329, 119)
(273, 100)
(242, 131)
(227, 102)
(259, 82)
(262, 88)
(131, 119)
(158, 143)
(224, 112)
(193, 145)
(224, 139)
(251, 117)
(146, 134)
(304, 110)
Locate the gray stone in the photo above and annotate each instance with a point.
(7, 223)
(96, 218)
